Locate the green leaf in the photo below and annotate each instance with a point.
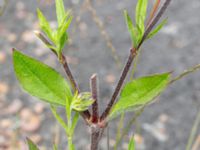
(62, 34)
(40, 80)
(44, 25)
(157, 29)
(140, 92)
(131, 145)
(132, 30)
(66, 17)
(55, 147)
(140, 14)
(31, 145)
(60, 11)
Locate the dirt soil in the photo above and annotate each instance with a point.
(165, 125)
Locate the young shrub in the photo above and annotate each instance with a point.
(47, 84)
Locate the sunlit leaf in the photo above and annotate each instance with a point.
(131, 145)
(132, 30)
(40, 80)
(31, 145)
(55, 147)
(140, 14)
(62, 35)
(60, 11)
(44, 25)
(140, 92)
(157, 29)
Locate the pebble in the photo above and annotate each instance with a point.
(171, 29)
(110, 78)
(39, 108)
(36, 138)
(3, 88)
(138, 139)
(6, 123)
(14, 107)
(11, 37)
(28, 36)
(75, 2)
(30, 122)
(41, 50)
(2, 57)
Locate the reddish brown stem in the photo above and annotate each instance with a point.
(95, 111)
(95, 138)
(153, 11)
(69, 74)
(85, 114)
(130, 60)
(132, 55)
(155, 20)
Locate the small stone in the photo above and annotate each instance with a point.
(110, 78)
(39, 108)
(36, 138)
(112, 142)
(75, 2)
(6, 123)
(20, 5)
(40, 51)
(3, 88)
(46, 2)
(163, 118)
(28, 36)
(171, 29)
(121, 5)
(14, 107)
(2, 140)
(30, 122)
(83, 27)
(11, 37)
(125, 146)
(2, 57)
(138, 139)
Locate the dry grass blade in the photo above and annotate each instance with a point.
(187, 72)
(108, 138)
(104, 34)
(155, 20)
(2, 8)
(119, 128)
(193, 132)
(196, 145)
(129, 125)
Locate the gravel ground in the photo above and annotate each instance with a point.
(166, 124)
